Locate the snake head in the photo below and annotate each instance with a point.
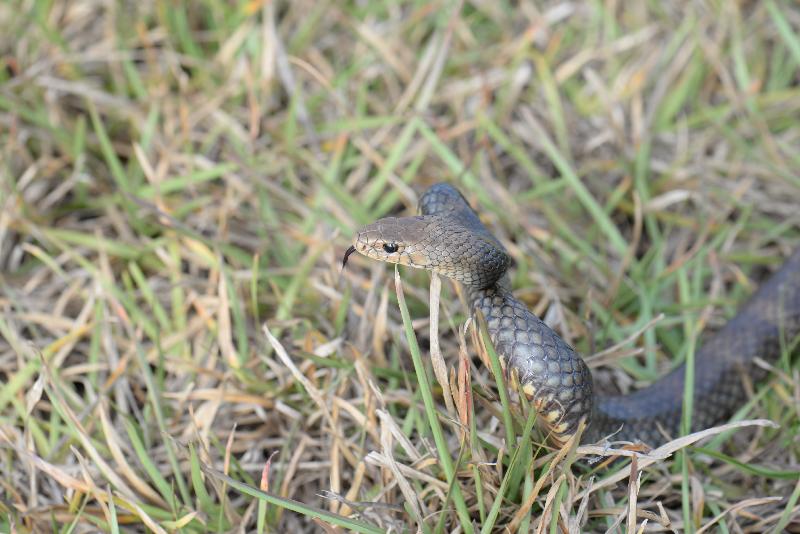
(441, 243)
(392, 240)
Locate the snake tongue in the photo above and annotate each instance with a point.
(347, 255)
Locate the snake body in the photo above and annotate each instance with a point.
(449, 238)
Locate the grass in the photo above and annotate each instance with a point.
(180, 350)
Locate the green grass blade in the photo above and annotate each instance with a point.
(430, 408)
(788, 35)
(499, 376)
(154, 395)
(295, 506)
(147, 464)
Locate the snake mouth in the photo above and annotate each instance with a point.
(347, 254)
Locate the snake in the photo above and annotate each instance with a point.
(447, 237)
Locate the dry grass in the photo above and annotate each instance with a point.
(175, 177)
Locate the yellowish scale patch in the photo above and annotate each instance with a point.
(529, 390)
(553, 419)
(552, 416)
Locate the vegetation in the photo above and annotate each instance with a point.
(181, 351)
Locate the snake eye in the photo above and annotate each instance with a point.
(390, 247)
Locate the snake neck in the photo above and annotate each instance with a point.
(544, 367)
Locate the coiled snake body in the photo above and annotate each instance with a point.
(448, 238)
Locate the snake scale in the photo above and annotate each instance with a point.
(449, 238)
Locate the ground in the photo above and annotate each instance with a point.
(180, 349)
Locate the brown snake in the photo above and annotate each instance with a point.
(448, 238)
